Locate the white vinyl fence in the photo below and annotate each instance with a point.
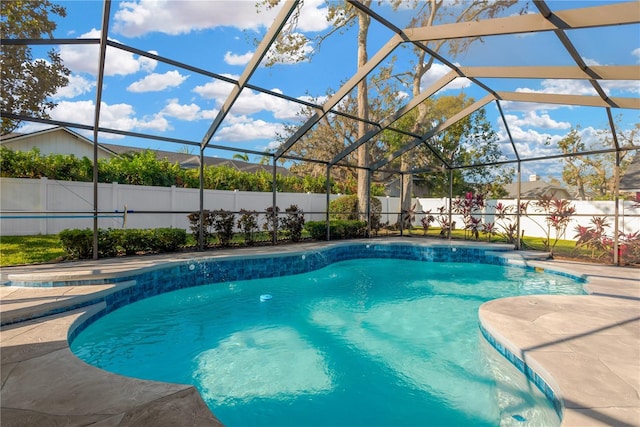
(534, 224)
(44, 206)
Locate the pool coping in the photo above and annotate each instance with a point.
(613, 290)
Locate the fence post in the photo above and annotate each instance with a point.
(172, 203)
(44, 181)
(114, 196)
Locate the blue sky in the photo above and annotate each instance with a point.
(143, 95)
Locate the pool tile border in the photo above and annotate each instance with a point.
(522, 366)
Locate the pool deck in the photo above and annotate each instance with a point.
(587, 348)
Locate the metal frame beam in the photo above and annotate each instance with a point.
(96, 118)
(566, 42)
(251, 67)
(442, 82)
(577, 100)
(441, 127)
(599, 72)
(341, 93)
(597, 16)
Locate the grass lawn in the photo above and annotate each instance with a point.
(18, 250)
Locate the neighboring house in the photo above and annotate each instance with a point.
(630, 181)
(393, 185)
(534, 189)
(60, 140)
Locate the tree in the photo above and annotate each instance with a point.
(28, 84)
(470, 141)
(241, 156)
(575, 169)
(592, 176)
(429, 13)
(364, 21)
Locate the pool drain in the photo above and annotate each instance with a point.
(265, 297)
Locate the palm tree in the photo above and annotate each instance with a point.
(241, 156)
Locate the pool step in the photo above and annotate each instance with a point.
(521, 257)
(20, 304)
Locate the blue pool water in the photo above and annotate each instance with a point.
(366, 342)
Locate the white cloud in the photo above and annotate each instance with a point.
(31, 127)
(530, 143)
(590, 62)
(580, 87)
(271, 146)
(313, 16)
(81, 112)
(532, 119)
(157, 82)
(249, 102)
(155, 122)
(629, 86)
(534, 143)
(148, 64)
(84, 58)
(233, 59)
(136, 18)
(564, 87)
(246, 129)
(115, 116)
(320, 100)
(209, 114)
(436, 72)
(78, 85)
(572, 87)
(636, 52)
(216, 89)
(188, 112)
(528, 106)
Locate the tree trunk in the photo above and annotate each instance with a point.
(363, 113)
(405, 165)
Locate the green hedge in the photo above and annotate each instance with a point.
(78, 244)
(338, 229)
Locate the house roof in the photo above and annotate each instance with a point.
(535, 189)
(630, 181)
(15, 137)
(189, 161)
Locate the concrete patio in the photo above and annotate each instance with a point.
(587, 348)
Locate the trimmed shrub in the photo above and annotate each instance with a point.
(248, 225)
(78, 244)
(338, 229)
(223, 222)
(271, 221)
(134, 241)
(194, 225)
(344, 208)
(168, 239)
(109, 242)
(293, 223)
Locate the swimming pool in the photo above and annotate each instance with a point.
(339, 345)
